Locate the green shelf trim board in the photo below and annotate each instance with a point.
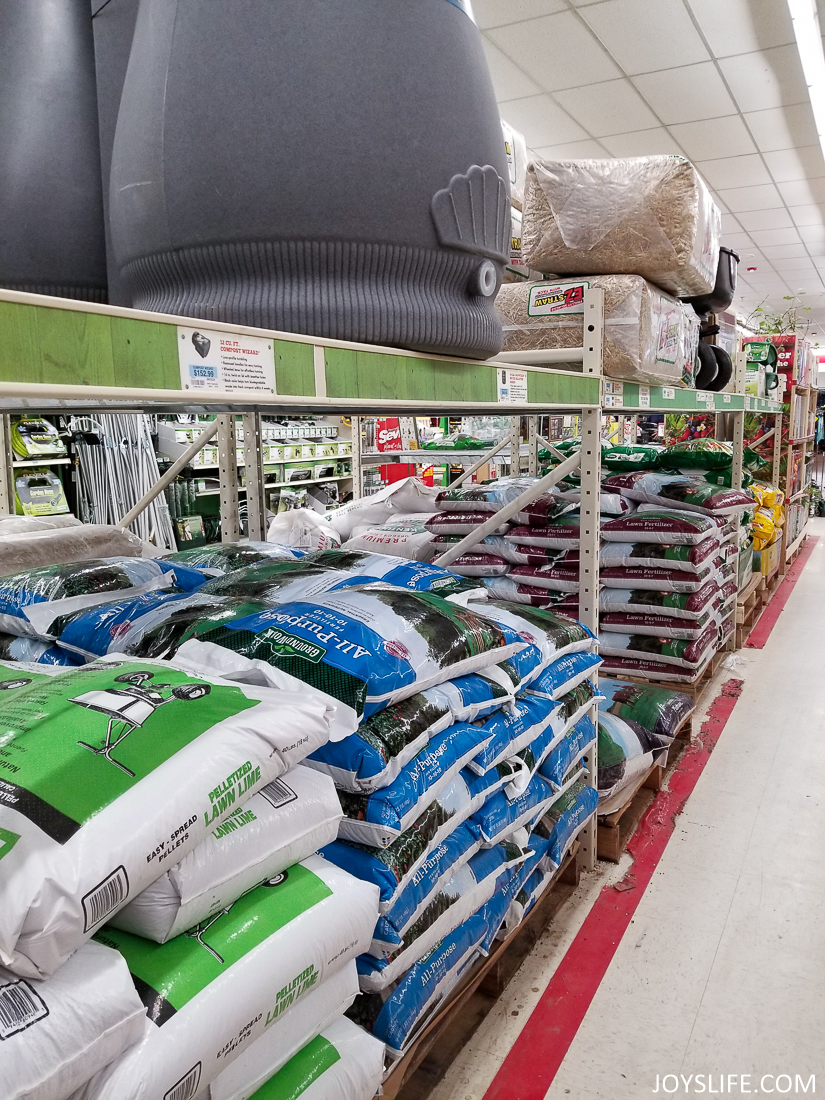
(686, 400)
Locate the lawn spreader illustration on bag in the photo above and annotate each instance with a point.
(129, 707)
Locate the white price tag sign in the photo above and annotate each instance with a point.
(613, 394)
(226, 361)
(512, 386)
(726, 398)
(644, 397)
(668, 393)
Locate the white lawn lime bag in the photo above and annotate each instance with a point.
(379, 818)
(342, 1063)
(113, 772)
(219, 558)
(373, 756)
(56, 1034)
(393, 868)
(211, 993)
(404, 536)
(287, 821)
(410, 496)
(32, 603)
(323, 1005)
(369, 646)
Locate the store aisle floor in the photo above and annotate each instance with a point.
(720, 971)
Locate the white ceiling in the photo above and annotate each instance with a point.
(718, 81)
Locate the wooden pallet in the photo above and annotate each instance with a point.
(416, 1075)
(614, 830)
(795, 550)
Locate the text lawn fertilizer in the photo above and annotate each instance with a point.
(211, 993)
(287, 821)
(113, 772)
(685, 654)
(662, 525)
(660, 626)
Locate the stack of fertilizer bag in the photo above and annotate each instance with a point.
(645, 230)
(669, 570)
(637, 724)
(168, 928)
(445, 790)
(392, 521)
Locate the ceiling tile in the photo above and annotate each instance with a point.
(739, 241)
(783, 127)
(784, 251)
(743, 26)
(574, 150)
(763, 237)
(795, 263)
(686, 93)
(803, 192)
(541, 121)
(642, 36)
(557, 51)
(642, 143)
(796, 164)
(747, 171)
(716, 138)
(730, 224)
(762, 197)
(608, 108)
(806, 215)
(509, 81)
(493, 13)
(765, 219)
(761, 81)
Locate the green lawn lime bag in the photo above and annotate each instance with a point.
(370, 646)
(468, 889)
(659, 710)
(558, 534)
(56, 1034)
(564, 674)
(557, 578)
(113, 772)
(626, 751)
(436, 870)
(560, 502)
(460, 523)
(548, 634)
(379, 818)
(392, 868)
(671, 651)
(662, 525)
(657, 580)
(490, 497)
(287, 821)
(651, 555)
(33, 602)
(33, 651)
(678, 605)
(704, 454)
(500, 817)
(675, 491)
(398, 1016)
(342, 1063)
(211, 993)
(623, 458)
(325, 1003)
(568, 751)
(564, 819)
(509, 731)
(660, 626)
(412, 576)
(221, 558)
(373, 756)
(495, 911)
(507, 590)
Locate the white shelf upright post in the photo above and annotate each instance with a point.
(253, 460)
(356, 468)
(591, 470)
(228, 475)
(7, 505)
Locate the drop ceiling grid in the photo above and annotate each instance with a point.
(718, 81)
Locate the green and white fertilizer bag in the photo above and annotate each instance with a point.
(307, 1018)
(342, 1063)
(287, 821)
(212, 992)
(626, 751)
(367, 647)
(113, 772)
(220, 558)
(56, 1034)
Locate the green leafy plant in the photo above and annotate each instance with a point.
(790, 320)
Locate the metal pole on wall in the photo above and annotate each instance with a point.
(228, 475)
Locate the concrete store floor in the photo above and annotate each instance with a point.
(721, 970)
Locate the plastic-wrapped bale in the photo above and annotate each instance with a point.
(287, 821)
(213, 992)
(649, 216)
(33, 548)
(649, 336)
(117, 770)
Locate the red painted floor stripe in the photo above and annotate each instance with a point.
(534, 1059)
(767, 620)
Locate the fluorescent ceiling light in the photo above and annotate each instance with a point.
(809, 44)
